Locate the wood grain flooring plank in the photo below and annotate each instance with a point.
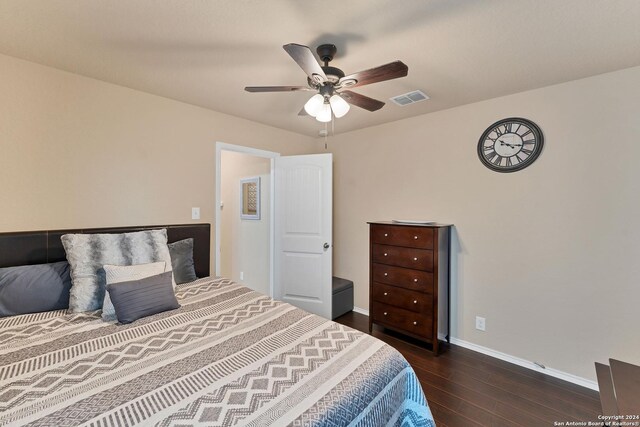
(574, 410)
(466, 388)
(443, 415)
(548, 394)
(565, 385)
(508, 406)
(547, 380)
(464, 407)
(480, 382)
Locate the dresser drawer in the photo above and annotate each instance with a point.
(403, 298)
(411, 237)
(418, 259)
(405, 320)
(403, 277)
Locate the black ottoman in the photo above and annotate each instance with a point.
(342, 301)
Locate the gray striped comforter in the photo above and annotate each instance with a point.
(228, 356)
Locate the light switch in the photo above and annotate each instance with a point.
(195, 213)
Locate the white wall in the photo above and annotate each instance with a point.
(245, 245)
(549, 255)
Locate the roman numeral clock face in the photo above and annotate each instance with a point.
(510, 145)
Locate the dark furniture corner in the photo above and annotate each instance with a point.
(409, 279)
(342, 300)
(619, 385)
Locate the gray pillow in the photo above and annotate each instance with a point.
(34, 288)
(182, 260)
(88, 253)
(143, 297)
(127, 273)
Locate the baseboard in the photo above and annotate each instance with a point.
(361, 311)
(527, 364)
(513, 359)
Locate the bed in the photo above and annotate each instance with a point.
(227, 356)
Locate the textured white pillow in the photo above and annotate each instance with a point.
(126, 273)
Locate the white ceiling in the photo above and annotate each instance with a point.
(205, 52)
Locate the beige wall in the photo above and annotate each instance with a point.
(245, 244)
(78, 152)
(549, 255)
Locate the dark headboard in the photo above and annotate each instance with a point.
(39, 247)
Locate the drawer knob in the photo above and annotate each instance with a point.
(415, 259)
(385, 254)
(386, 274)
(415, 323)
(415, 237)
(385, 313)
(415, 301)
(415, 280)
(385, 294)
(386, 235)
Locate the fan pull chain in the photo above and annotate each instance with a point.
(326, 132)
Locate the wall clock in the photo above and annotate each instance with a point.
(510, 145)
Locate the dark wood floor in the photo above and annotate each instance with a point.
(466, 388)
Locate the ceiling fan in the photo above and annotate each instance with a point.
(333, 98)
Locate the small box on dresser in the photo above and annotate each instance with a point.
(409, 279)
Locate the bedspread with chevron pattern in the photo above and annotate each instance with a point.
(228, 356)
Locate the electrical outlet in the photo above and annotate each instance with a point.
(480, 323)
(242, 275)
(195, 213)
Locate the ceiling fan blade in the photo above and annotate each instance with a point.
(390, 71)
(305, 59)
(361, 100)
(277, 88)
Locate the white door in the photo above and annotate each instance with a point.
(303, 209)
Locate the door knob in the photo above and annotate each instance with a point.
(326, 245)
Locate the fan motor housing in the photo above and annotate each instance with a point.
(333, 74)
(326, 52)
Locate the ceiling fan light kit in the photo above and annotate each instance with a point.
(339, 106)
(314, 104)
(332, 100)
(325, 113)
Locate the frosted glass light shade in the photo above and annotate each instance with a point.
(339, 106)
(314, 104)
(325, 113)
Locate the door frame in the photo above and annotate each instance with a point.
(220, 146)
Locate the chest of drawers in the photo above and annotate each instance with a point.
(409, 279)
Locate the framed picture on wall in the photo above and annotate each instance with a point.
(250, 198)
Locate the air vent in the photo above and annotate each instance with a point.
(410, 98)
